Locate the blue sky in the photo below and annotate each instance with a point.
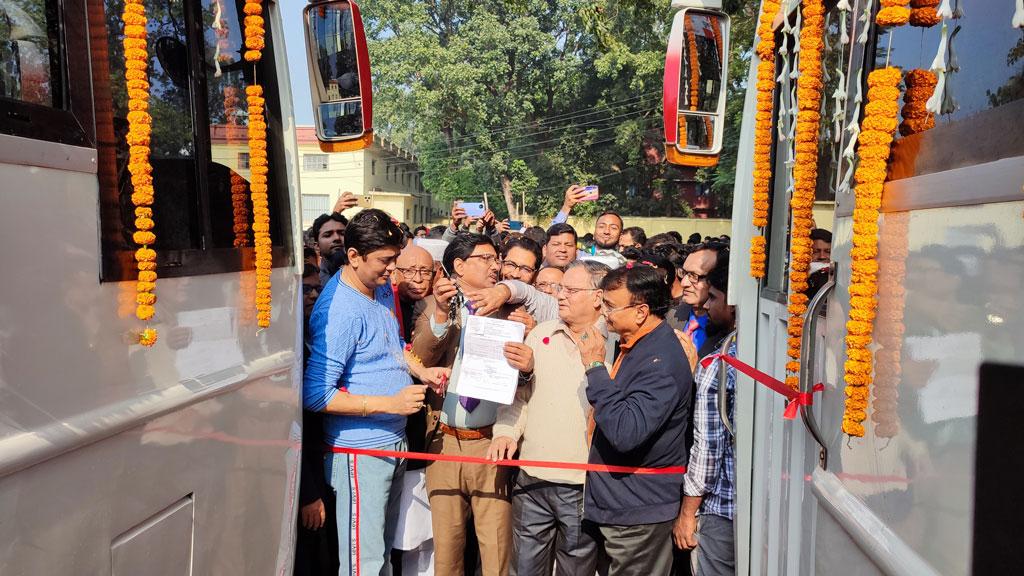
(295, 44)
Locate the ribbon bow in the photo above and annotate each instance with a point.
(796, 399)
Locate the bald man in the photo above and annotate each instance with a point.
(414, 274)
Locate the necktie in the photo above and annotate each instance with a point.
(467, 402)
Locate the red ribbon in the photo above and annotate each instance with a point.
(796, 399)
(503, 462)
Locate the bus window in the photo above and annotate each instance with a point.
(30, 64)
(44, 79)
(983, 97)
(199, 143)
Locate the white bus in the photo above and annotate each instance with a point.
(181, 458)
(899, 500)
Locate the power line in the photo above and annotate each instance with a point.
(555, 129)
(576, 113)
(637, 114)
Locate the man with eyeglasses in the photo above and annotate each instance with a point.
(548, 421)
(690, 317)
(414, 275)
(464, 425)
(641, 409)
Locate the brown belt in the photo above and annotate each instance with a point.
(467, 433)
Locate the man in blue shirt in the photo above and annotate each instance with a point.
(358, 374)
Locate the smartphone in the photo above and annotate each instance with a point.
(366, 201)
(591, 194)
(515, 225)
(473, 209)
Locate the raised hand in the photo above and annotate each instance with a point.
(345, 201)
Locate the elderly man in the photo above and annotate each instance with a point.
(548, 421)
(414, 275)
(641, 411)
(689, 317)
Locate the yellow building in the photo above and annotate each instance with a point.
(383, 176)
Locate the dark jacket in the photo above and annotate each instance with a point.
(641, 416)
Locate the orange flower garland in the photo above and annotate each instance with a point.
(239, 190)
(258, 166)
(892, 267)
(763, 133)
(254, 30)
(694, 64)
(875, 140)
(136, 58)
(805, 174)
(924, 13)
(916, 117)
(893, 13)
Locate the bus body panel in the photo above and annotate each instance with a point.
(109, 450)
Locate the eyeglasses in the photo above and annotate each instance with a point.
(569, 291)
(487, 258)
(609, 311)
(309, 288)
(518, 267)
(693, 277)
(416, 273)
(554, 287)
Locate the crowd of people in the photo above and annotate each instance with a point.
(616, 324)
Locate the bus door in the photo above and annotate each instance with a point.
(899, 500)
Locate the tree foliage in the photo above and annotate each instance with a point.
(520, 98)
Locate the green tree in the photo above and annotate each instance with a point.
(520, 98)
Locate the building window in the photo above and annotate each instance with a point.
(373, 167)
(243, 160)
(314, 162)
(313, 205)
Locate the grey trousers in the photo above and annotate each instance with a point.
(716, 547)
(547, 528)
(642, 550)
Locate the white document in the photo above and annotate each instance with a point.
(433, 245)
(485, 372)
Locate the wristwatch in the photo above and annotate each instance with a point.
(596, 364)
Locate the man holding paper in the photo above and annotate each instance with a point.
(488, 359)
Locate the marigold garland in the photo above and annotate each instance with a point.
(240, 212)
(924, 13)
(892, 260)
(260, 208)
(893, 13)
(874, 150)
(138, 139)
(254, 30)
(763, 132)
(916, 117)
(805, 173)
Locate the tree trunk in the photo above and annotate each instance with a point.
(510, 202)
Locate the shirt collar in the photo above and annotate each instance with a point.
(623, 345)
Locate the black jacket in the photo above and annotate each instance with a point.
(642, 417)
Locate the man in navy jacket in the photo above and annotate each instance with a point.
(641, 407)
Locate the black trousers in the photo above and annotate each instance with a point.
(642, 550)
(547, 528)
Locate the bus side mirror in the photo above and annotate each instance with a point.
(696, 70)
(339, 75)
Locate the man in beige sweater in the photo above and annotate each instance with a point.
(548, 421)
